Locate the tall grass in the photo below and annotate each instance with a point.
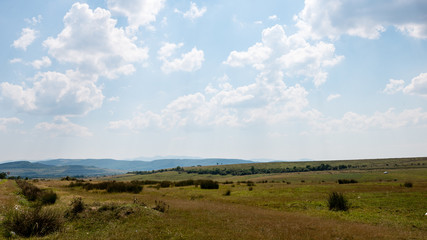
(31, 222)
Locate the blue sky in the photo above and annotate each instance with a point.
(281, 80)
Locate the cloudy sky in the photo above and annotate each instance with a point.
(326, 79)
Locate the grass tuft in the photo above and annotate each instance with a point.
(31, 222)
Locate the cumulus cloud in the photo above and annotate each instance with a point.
(62, 126)
(394, 86)
(55, 93)
(273, 17)
(27, 37)
(418, 86)
(40, 63)
(267, 100)
(138, 12)
(362, 18)
(333, 97)
(353, 122)
(194, 12)
(255, 56)
(188, 62)
(93, 44)
(293, 54)
(4, 122)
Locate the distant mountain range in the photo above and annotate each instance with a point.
(98, 167)
(40, 170)
(127, 165)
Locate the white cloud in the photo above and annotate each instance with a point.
(292, 54)
(27, 37)
(267, 101)
(333, 97)
(34, 20)
(353, 122)
(418, 86)
(194, 12)
(363, 18)
(55, 93)
(16, 60)
(255, 56)
(138, 12)
(43, 62)
(23, 99)
(114, 99)
(273, 17)
(91, 41)
(61, 126)
(4, 122)
(311, 60)
(394, 86)
(189, 62)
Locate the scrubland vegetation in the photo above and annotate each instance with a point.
(350, 203)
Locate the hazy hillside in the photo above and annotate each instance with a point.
(143, 165)
(39, 170)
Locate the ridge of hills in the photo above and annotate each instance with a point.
(135, 165)
(99, 167)
(40, 170)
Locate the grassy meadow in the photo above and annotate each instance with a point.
(271, 206)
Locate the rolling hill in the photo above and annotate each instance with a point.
(40, 170)
(126, 165)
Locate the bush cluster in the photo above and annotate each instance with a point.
(337, 202)
(110, 186)
(33, 193)
(208, 184)
(346, 181)
(408, 184)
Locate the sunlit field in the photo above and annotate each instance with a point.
(258, 206)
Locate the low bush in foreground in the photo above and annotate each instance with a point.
(337, 202)
(31, 222)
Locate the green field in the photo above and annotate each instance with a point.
(279, 206)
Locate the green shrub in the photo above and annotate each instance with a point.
(337, 202)
(408, 184)
(346, 181)
(250, 183)
(30, 191)
(208, 184)
(111, 186)
(32, 222)
(165, 184)
(77, 206)
(48, 197)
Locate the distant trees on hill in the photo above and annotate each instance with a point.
(249, 171)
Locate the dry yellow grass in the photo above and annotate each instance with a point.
(380, 210)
